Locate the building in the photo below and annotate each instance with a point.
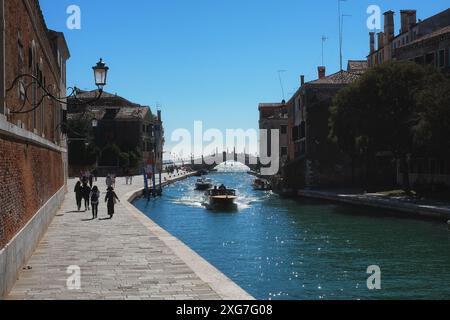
(33, 156)
(274, 116)
(424, 42)
(131, 128)
(314, 161)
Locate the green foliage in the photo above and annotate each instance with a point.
(110, 155)
(391, 108)
(432, 133)
(124, 160)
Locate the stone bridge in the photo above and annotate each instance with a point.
(212, 161)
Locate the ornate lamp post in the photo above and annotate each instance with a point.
(100, 76)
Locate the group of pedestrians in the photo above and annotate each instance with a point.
(85, 191)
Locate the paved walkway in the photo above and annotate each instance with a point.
(416, 208)
(122, 258)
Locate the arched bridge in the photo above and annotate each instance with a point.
(212, 161)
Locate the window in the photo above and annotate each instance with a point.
(21, 69)
(442, 58)
(283, 129)
(34, 88)
(430, 59)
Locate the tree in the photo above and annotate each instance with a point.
(124, 160)
(432, 132)
(110, 155)
(379, 112)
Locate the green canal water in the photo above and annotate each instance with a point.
(277, 248)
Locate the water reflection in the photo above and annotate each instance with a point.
(285, 249)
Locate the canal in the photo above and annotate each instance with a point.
(277, 248)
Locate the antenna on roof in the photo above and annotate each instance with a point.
(324, 38)
(281, 82)
(340, 31)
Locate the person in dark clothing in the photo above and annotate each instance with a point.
(95, 196)
(78, 194)
(86, 194)
(110, 199)
(91, 180)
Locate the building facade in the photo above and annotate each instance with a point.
(314, 160)
(274, 116)
(426, 42)
(422, 41)
(130, 127)
(33, 156)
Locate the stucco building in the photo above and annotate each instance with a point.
(274, 116)
(132, 127)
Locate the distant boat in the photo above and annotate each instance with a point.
(221, 199)
(201, 173)
(261, 185)
(203, 184)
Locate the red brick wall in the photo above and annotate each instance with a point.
(20, 31)
(29, 177)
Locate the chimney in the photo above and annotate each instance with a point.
(408, 19)
(322, 71)
(302, 80)
(412, 18)
(389, 26)
(380, 40)
(159, 116)
(372, 42)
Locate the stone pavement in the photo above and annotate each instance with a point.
(122, 258)
(417, 209)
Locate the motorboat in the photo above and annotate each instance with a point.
(203, 184)
(261, 185)
(201, 173)
(221, 199)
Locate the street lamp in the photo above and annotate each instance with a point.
(100, 74)
(100, 77)
(94, 123)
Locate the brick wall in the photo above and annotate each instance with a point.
(28, 50)
(29, 176)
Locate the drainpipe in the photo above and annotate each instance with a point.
(2, 56)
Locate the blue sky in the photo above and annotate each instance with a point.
(213, 60)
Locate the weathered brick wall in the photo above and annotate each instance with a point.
(29, 174)
(29, 177)
(25, 29)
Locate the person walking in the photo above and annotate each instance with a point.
(78, 194)
(108, 181)
(95, 196)
(110, 199)
(86, 194)
(91, 180)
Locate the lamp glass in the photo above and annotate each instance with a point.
(100, 74)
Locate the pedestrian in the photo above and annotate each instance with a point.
(95, 196)
(110, 199)
(95, 174)
(128, 177)
(113, 178)
(86, 194)
(91, 180)
(108, 181)
(78, 194)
